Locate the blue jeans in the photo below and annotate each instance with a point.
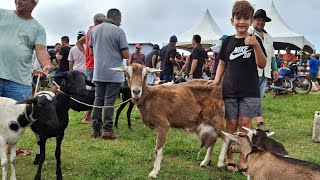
(13, 90)
(262, 86)
(167, 78)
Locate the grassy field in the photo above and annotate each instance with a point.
(131, 156)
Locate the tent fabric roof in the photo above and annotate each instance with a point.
(281, 32)
(207, 28)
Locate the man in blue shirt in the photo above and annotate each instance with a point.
(313, 72)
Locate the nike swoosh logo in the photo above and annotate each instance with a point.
(235, 56)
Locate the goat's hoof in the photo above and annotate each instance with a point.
(220, 164)
(153, 174)
(204, 164)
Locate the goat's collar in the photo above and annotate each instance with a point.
(30, 116)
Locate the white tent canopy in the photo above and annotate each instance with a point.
(207, 28)
(283, 35)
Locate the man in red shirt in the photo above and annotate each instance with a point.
(97, 19)
(137, 56)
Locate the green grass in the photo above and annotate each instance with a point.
(131, 156)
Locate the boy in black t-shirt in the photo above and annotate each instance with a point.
(239, 57)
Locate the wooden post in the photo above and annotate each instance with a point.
(316, 127)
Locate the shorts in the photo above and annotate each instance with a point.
(313, 77)
(242, 107)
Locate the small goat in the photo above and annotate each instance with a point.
(193, 106)
(16, 117)
(74, 82)
(265, 165)
(126, 95)
(261, 139)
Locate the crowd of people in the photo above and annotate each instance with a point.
(242, 63)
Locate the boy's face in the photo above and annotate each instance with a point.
(241, 23)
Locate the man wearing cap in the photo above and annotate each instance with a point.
(216, 49)
(77, 59)
(99, 18)
(259, 20)
(137, 56)
(20, 35)
(167, 57)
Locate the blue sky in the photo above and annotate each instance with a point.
(156, 20)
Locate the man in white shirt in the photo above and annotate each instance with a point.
(77, 60)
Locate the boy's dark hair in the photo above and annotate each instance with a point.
(242, 9)
(57, 44)
(197, 38)
(65, 38)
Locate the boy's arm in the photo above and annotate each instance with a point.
(261, 59)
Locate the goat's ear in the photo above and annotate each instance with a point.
(63, 75)
(89, 83)
(269, 134)
(253, 131)
(231, 137)
(153, 70)
(121, 69)
(29, 101)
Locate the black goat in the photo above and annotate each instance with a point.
(126, 95)
(74, 82)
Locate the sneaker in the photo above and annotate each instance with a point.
(109, 135)
(262, 126)
(95, 134)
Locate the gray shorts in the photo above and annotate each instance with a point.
(242, 107)
(89, 73)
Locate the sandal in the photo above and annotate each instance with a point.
(21, 152)
(233, 165)
(243, 171)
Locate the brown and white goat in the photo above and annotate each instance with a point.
(193, 106)
(262, 140)
(265, 165)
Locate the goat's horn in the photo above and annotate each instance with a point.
(230, 136)
(270, 134)
(153, 70)
(249, 130)
(121, 69)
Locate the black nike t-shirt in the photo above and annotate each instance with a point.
(241, 76)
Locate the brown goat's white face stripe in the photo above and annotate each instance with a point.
(144, 73)
(130, 71)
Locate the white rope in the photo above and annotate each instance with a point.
(100, 107)
(37, 85)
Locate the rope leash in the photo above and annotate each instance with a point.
(49, 76)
